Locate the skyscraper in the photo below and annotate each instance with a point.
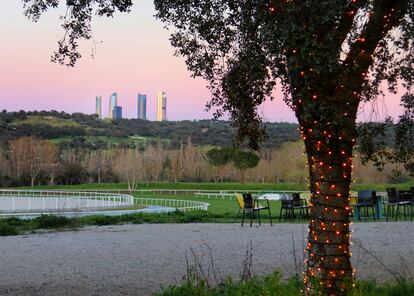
(161, 106)
(113, 102)
(117, 113)
(98, 106)
(142, 107)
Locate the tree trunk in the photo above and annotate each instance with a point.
(330, 166)
(243, 175)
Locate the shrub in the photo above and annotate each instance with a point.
(272, 285)
(14, 221)
(105, 220)
(6, 229)
(52, 221)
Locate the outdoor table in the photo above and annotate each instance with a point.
(378, 204)
(270, 196)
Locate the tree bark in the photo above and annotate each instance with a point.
(329, 154)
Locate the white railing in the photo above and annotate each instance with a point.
(230, 194)
(181, 205)
(59, 200)
(39, 201)
(181, 191)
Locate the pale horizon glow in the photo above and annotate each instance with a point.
(132, 54)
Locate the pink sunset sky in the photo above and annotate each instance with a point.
(133, 55)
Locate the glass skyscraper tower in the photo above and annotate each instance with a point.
(98, 106)
(113, 102)
(142, 107)
(161, 106)
(117, 113)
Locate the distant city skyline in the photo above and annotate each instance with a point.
(127, 51)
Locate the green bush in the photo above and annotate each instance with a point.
(272, 285)
(14, 221)
(6, 229)
(105, 220)
(52, 221)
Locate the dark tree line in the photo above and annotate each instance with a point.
(201, 132)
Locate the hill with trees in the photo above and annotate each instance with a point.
(88, 131)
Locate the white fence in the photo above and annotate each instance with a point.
(59, 200)
(230, 194)
(40, 201)
(186, 191)
(181, 205)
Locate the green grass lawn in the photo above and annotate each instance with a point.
(221, 186)
(220, 210)
(224, 210)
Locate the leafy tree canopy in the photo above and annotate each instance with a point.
(219, 157)
(244, 160)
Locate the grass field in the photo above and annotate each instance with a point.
(221, 186)
(221, 210)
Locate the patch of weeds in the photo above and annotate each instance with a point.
(268, 285)
(272, 285)
(52, 221)
(105, 220)
(7, 229)
(14, 221)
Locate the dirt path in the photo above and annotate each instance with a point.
(139, 259)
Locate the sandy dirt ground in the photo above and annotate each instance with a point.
(141, 259)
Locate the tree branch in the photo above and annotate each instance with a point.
(386, 14)
(345, 24)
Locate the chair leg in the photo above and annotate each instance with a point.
(280, 213)
(386, 212)
(405, 216)
(398, 212)
(258, 215)
(251, 218)
(373, 212)
(243, 217)
(270, 217)
(237, 216)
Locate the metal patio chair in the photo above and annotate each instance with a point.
(394, 203)
(247, 203)
(365, 200)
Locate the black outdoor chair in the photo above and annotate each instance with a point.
(249, 204)
(406, 200)
(290, 204)
(395, 202)
(366, 199)
(299, 204)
